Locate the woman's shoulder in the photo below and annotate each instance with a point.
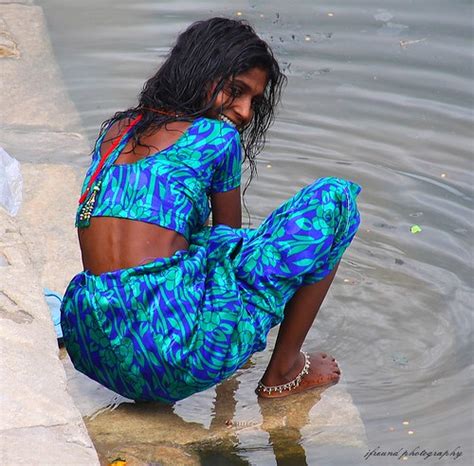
(215, 123)
(216, 133)
(116, 127)
(216, 130)
(111, 132)
(111, 129)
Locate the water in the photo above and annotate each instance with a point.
(378, 92)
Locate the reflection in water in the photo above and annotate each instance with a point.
(293, 414)
(144, 433)
(229, 428)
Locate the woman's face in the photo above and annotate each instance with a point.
(237, 99)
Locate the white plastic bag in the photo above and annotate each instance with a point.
(11, 183)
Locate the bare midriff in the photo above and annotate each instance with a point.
(110, 244)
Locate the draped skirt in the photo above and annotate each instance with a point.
(181, 324)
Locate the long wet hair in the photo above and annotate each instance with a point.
(209, 52)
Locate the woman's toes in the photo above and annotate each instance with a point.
(323, 371)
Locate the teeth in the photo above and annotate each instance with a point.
(227, 120)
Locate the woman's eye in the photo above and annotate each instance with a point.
(235, 91)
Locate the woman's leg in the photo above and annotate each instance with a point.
(286, 267)
(287, 361)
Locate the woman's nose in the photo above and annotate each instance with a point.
(244, 111)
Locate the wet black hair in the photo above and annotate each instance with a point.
(207, 52)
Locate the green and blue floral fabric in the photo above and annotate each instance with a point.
(179, 325)
(170, 188)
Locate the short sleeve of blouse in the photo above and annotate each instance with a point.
(228, 171)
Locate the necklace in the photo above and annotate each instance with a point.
(162, 112)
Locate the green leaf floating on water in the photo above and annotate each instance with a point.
(415, 229)
(399, 358)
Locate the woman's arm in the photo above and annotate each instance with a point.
(227, 208)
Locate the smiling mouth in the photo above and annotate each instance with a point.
(227, 120)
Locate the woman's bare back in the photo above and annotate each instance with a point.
(115, 243)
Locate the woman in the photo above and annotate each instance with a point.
(167, 306)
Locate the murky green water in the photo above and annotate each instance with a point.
(378, 92)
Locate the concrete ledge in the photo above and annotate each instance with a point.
(38, 120)
(43, 145)
(46, 446)
(39, 422)
(46, 222)
(23, 2)
(32, 91)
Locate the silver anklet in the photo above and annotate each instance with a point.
(291, 385)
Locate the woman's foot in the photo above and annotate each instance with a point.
(323, 371)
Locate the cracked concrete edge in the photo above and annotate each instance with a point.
(39, 422)
(31, 85)
(41, 440)
(23, 2)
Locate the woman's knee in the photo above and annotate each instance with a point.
(332, 191)
(335, 187)
(334, 201)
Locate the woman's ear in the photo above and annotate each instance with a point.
(211, 92)
(215, 97)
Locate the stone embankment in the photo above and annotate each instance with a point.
(39, 421)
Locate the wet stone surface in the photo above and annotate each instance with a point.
(9, 309)
(217, 425)
(8, 47)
